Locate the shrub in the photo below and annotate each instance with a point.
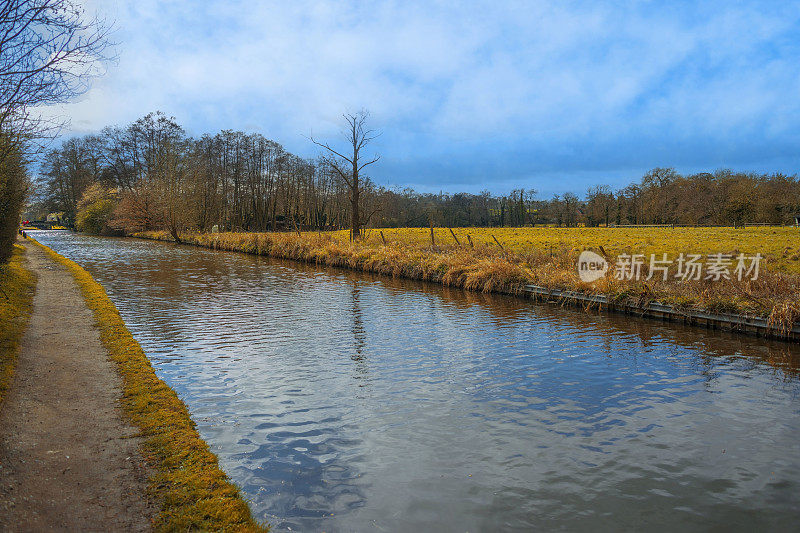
(94, 210)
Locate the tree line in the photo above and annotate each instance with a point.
(150, 175)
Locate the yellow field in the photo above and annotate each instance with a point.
(778, 245)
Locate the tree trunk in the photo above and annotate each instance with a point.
(355, 220)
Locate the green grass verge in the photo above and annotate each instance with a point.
(195, 494)
(17, 286)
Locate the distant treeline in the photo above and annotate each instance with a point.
(150, 175)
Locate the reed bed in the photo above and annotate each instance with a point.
(499, 267)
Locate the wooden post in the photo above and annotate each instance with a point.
(433, 239)
(383, 238)
(454, 236)
(498, 242)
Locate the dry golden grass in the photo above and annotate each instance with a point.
(195, 494)
(779, 245)
(487, 267)
(17, 285)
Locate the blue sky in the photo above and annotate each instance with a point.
(555, 96)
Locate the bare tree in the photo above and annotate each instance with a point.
(599, 203)
(48, 52)
(349, 168)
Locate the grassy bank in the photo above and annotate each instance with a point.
(779, 245)
(196, 494)
(506, 265)
(17, 286)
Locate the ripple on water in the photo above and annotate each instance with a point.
(342, 401)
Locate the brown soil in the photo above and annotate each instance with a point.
(68, 459)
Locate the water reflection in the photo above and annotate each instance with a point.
(342, 401)
(359, 332)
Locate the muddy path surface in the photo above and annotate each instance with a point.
(69, 461)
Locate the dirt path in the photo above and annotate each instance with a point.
(68, 460)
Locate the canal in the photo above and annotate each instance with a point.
(342, 401)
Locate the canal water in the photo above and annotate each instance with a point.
(342, 401)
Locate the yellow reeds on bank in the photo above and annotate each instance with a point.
(194, 493)
(506, 266)
(17, 285)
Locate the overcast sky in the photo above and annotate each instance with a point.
(469, 95)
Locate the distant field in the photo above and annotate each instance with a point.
(778, 245)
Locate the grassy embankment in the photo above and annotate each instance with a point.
(195, 494)
(548, 257)
(17, 286)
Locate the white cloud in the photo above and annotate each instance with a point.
(443, 75)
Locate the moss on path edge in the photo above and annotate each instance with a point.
(17, 285)
(194, 493)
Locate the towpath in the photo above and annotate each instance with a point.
(69, 461)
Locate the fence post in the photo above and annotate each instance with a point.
(498, 242)
(454, 236)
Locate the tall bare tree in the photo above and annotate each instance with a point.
(161, 179)
(349, 167)
(49, 50)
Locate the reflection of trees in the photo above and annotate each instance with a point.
(711, 344)
(162, 268)
(359, 332)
